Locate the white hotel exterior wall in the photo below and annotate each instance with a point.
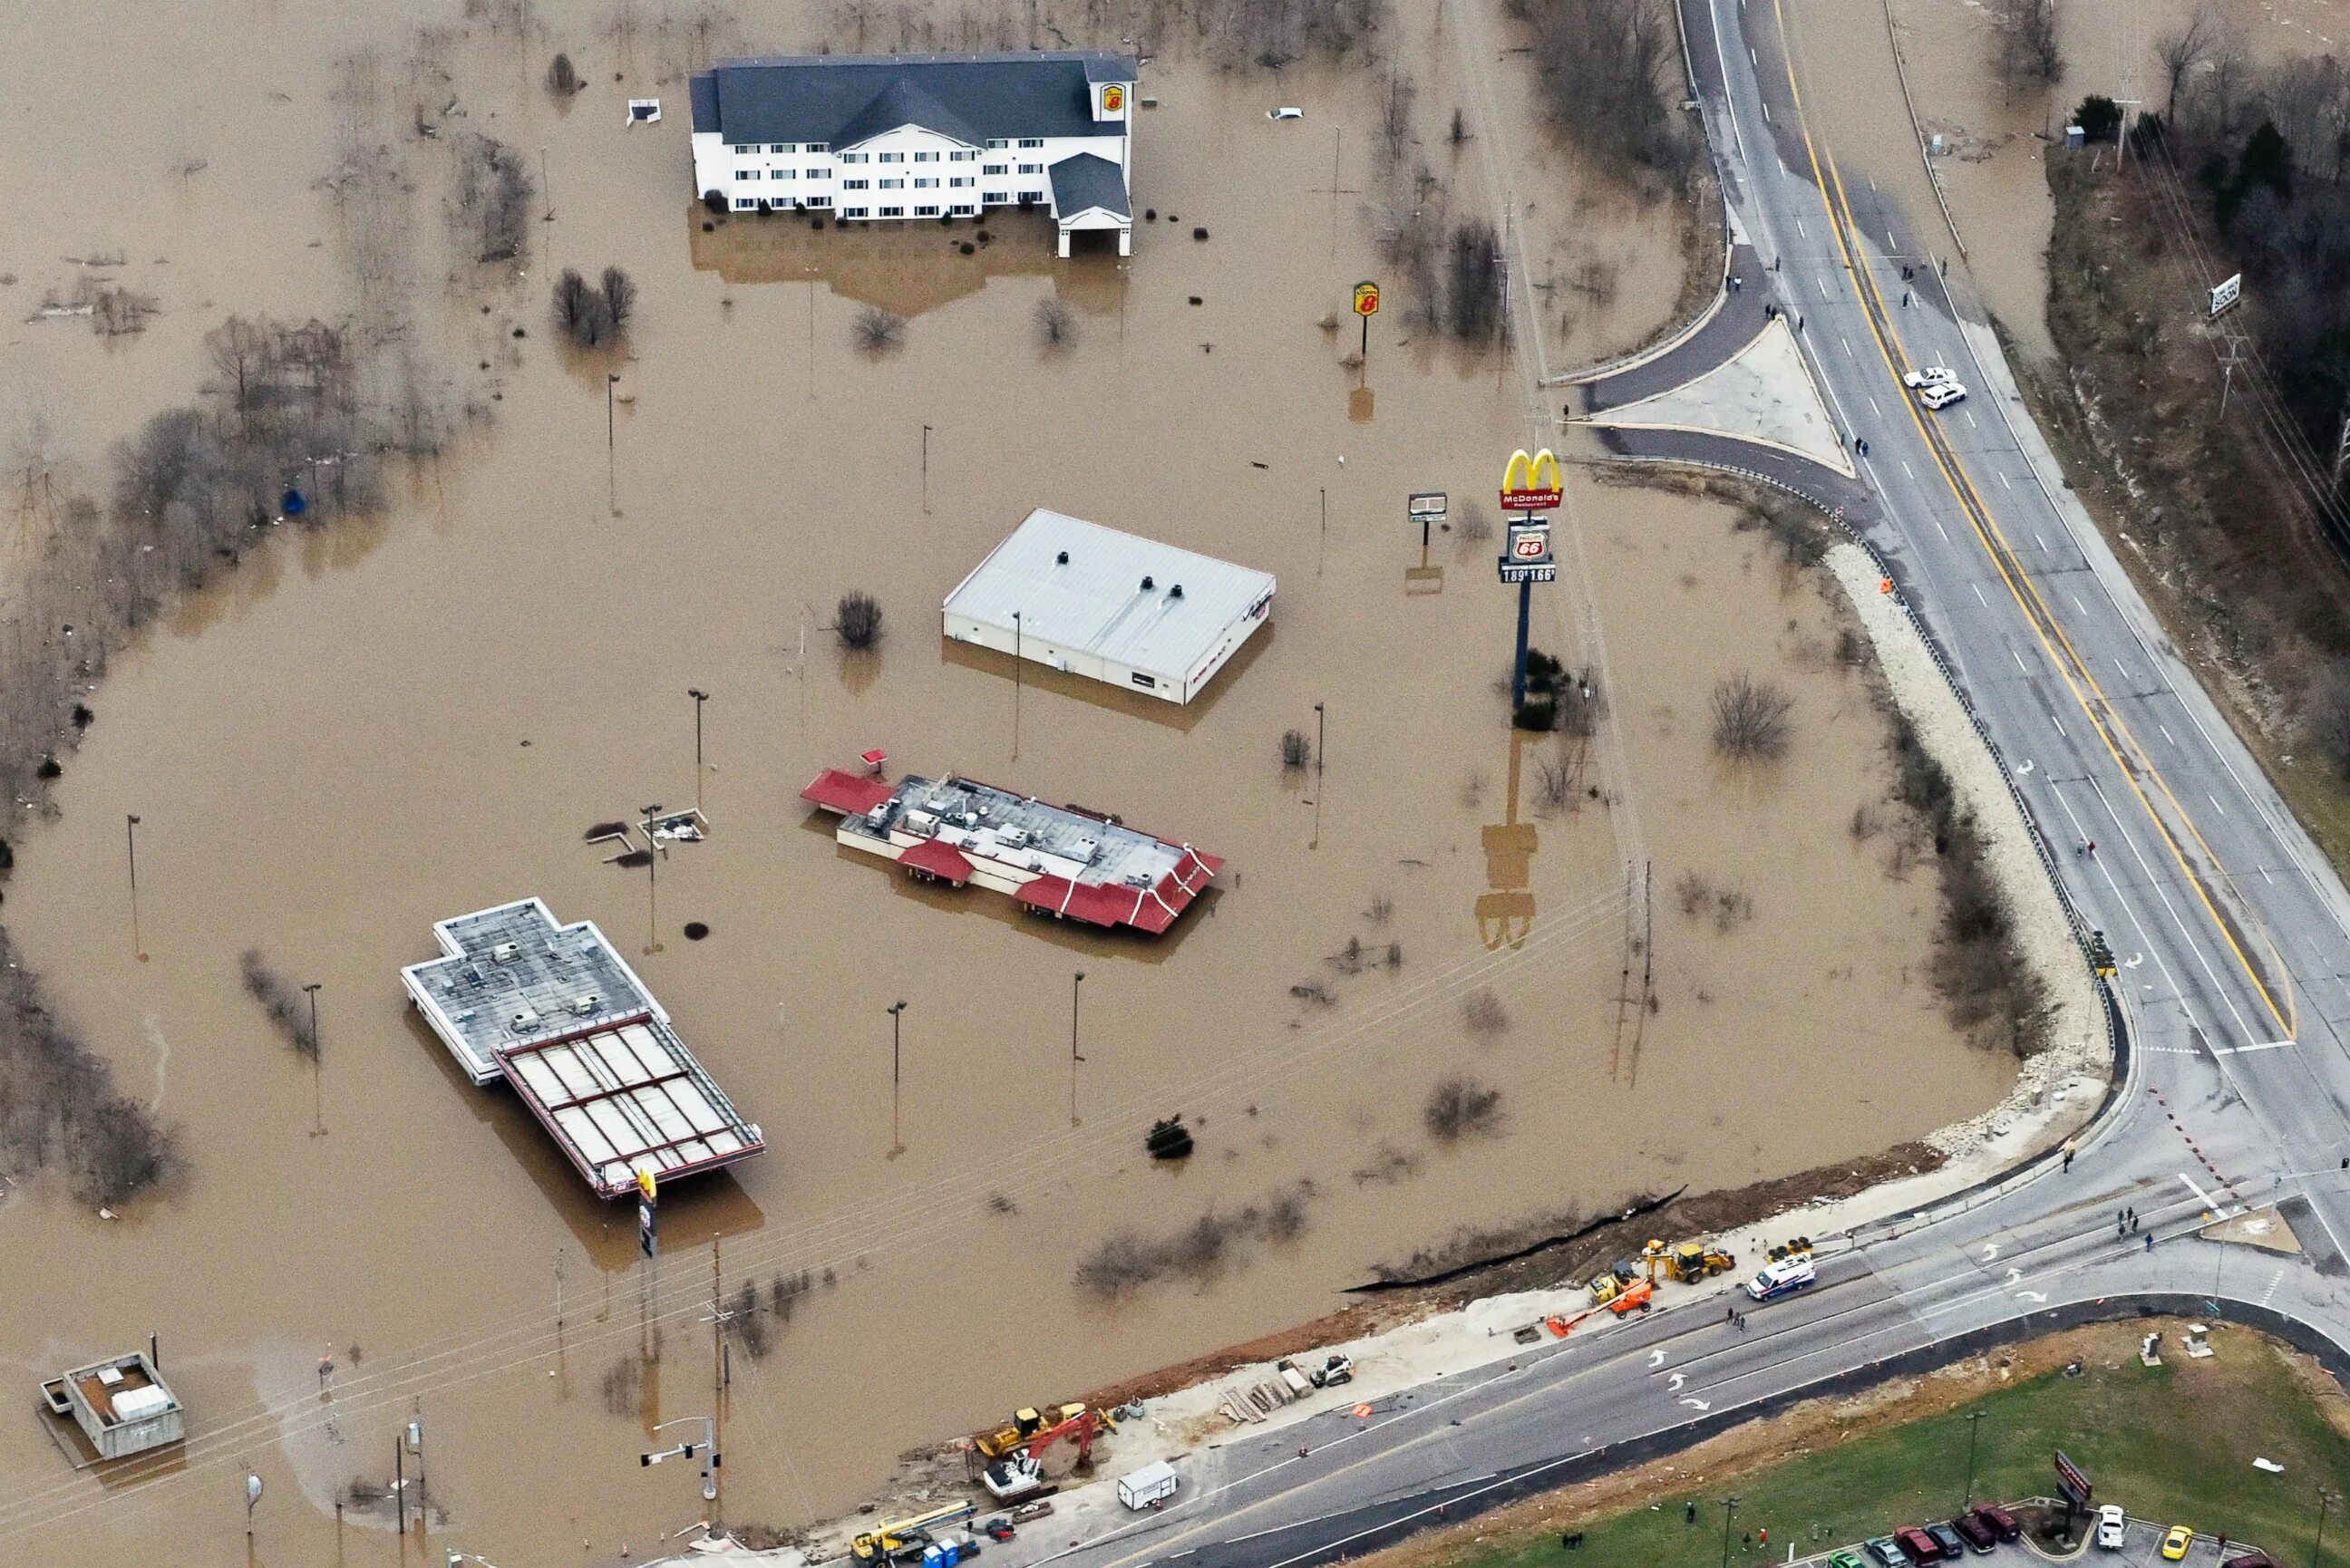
(819, 181)
(1170, 685)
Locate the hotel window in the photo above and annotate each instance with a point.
(744, 203)
(746, 173)
(1032, 141)
(994, 143)
(819, 173)
(1032, 169)
(997, 196)
(930, 183)
(855, 157)
(856, 212)
(779, 174)
(893, 184)
(992, 169)
(893, 212)
(926, 157)
(960, 181)
(817, 147)
(966, 210)
(965, 156)
(855, 184)
(815, 200)
(783, 147)
(889, 157)
(744, 149)
(1032, 196)
(926, 212)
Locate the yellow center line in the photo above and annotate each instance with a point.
(1995, 542)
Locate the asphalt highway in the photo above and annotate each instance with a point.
(2229, 930)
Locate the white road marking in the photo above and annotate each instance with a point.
(2167, 734)
(1908, 470)
(1847, 345)
(2004, 484)
(2215, 803)
(2036, 532)
(2200, 1196)
(1752, 58)
(2059, 726)
(1978, 595)
(1880, 414)
(1945, 533)
(2077, 603)
(1799, 222)
(1970, 425)
(2018, 661)
(2261, 1046)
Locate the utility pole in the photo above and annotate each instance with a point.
(611, 460)
(926, 471)
(717, 1354)
(652, 880)
(1076, 980)
(897, 1016)
(2227, 369)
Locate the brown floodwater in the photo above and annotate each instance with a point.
(363, 730)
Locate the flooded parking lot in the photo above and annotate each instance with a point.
(367, 728)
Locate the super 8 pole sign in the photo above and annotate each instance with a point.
(1367, 298)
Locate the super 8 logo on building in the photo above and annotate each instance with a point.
(1113, 99)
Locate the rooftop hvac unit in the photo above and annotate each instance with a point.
(587, 1004)
(506, 952)
(523, 1020)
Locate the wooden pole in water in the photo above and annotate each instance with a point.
(130, 833)
(400, 1483)
(1076, 981)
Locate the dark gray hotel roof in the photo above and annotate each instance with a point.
(843, 100)
(1088, 181)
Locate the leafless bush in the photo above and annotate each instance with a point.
(1411, 239)
(1750, 719)
(563, 77)
(580, 313)
(1128, 1260)
(1296, 749)
(1394, 116)
(1482, 1014)
(279, 1000)
(1382, 910)
(2207, 36)
(623, 1385)
(876, 330)
(121, 309)
(1475, 527)
(1461, 1107)
(1793, 530)
(1057, 324)
(1388, 1165)
(1473, 283)
(746, 1324)
(1552, 782)
(857, 620)
(1693, 891)
(493, 194)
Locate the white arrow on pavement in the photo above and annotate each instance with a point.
(2031, 1295)
(1679, 1378)
(2134, 961)
(1695, 1404)
(2014, 1276)
(1991, 1250)
(1656, 1359)
(2024, 766)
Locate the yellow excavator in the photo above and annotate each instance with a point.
(902, 1540)
(1025, 1427)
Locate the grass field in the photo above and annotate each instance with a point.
(2173, 1443)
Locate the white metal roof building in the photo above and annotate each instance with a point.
(1130, 611)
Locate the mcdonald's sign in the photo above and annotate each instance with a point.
(1530, 482)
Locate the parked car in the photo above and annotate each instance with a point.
(1918, 1546)
(1887, 1552)
(2002, 1524)
(1845, 1560)
(1928, 376)
(1941, 394)
(1979, 1536)
(2112, 1522)
(1949, 1540)
(2176, 1542)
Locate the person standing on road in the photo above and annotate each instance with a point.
(2068, 1154)
(2150, 1244)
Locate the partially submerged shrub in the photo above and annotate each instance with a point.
(858, 621)
(876, 330)
(1750, 719)
(1461, 1107)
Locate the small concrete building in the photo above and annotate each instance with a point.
(1089, 600)
(872, 138)
(121, 1406)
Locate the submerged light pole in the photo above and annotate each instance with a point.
(652, 880)
(1075, 982)
(317, 1092)
(897, 1018)
(130, 833)
(699, 697)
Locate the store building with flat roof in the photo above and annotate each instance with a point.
(1117, 608)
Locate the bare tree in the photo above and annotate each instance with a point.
(619, 297)
(875, 329)
(1610, 71)
(1460, 1106)
(492, 199)
(2205, 37)
(2027, 58)
(1057, 324)
(1474, 280)
(858, 621)
(1394, 116)
(1750, 719)
(563, 76)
